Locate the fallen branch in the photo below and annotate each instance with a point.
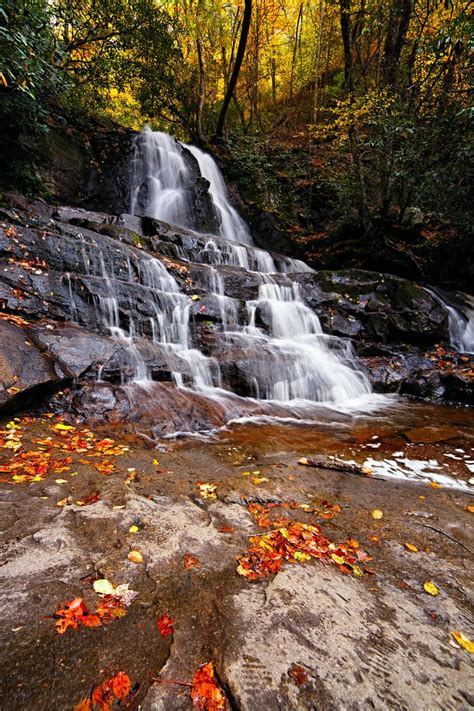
(336, 464)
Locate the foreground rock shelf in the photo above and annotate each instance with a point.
(379, 640)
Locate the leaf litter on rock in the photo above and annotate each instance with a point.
(295, 542)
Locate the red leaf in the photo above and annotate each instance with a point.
(165, 625)
(298, 674)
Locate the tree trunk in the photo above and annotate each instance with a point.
(202, 90)
(399, 20)
(354, 141)
(236, 70)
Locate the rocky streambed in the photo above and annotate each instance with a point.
(213, 529)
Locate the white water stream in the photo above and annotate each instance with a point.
(460, 309)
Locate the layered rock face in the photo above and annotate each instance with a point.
(83, 296)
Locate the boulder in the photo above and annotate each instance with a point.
(26, 375)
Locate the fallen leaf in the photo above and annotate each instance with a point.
(259, 479)
(430, 588)
(135, 557)
(165, 625)
(377, 514)
(190, 561)
(298, 674)
(435, 485)
(470, 509)
(463, 642)
(205, 693)
(61, 427)
(133, 529)
(226, 529)
(120, 685)
(411, 547)
(103, 587)
(207, 490)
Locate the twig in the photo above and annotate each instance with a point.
(438, 530)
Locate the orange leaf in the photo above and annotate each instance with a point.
(205, 693)
(91, 621)
(190, 561)
(120, 685)
(83, 705)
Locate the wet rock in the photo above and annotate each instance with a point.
(73, 350)
(386, 374)
(158, 408)
(458, 388)
(431, 434)
(375, 307)
(26, 375)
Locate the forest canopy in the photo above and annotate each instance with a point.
(382, 85)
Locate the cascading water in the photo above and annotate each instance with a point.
(276, 341)
(160, 179)
(231, 226)
(460, 309)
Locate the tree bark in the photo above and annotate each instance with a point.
(236, 70)
(349, 81)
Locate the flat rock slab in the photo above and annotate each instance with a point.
(379, 641)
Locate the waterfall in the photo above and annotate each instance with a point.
(460, 309)
(160, 179)
(274, 342)
(231, 226)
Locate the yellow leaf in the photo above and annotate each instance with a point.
(135, 557)
(435, 485)
(259, 479)
(337, 559)
(300, 556)
(208, 491)
(470, 508)
(63, 502)
(303, 460)
(103, 587)
(63, 428)
(156, 463)
(133, 529)
(430, 588)
(61, 481)
(463, 642)
(246, 473)
(411, 547)
(377, 514)
(195, 297)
